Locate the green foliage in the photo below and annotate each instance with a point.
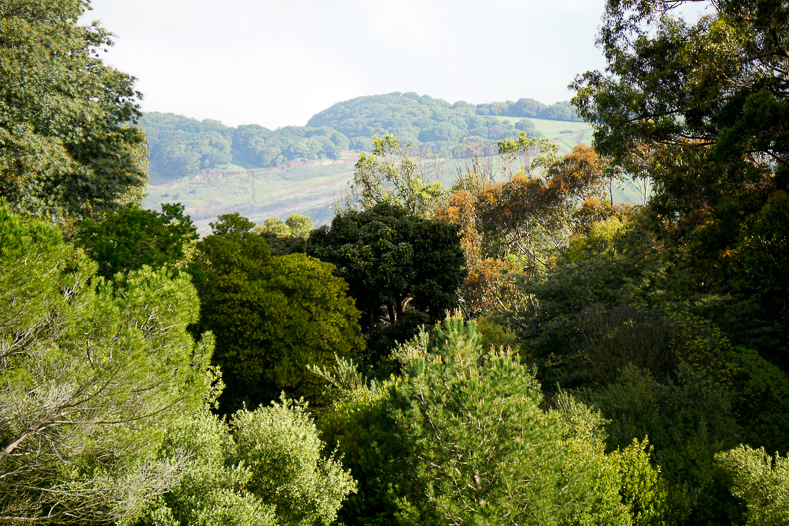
(720, 81)
(393, 261)
(379, 179)
(688, 420)
(760, 258)
(280, 444)
(461, 438)
(300, 225)
(760, 389)
(362, 428)
(642, 488)
(761, 481)
(607, 339)
(214, 488)
(296, 225)
(130, 237)
(622, 481)
(272, 316)
(615, 264)
(66, 146)
(483, 450)
(264, 468)
(90, 372)
(274, 226)
(561, 111)
(496, 334)
(540, 152)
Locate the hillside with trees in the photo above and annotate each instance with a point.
(514, 347)
(183, 147)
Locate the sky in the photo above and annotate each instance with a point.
(277, 63)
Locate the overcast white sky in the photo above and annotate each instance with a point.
(277, 63)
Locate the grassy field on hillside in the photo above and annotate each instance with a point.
(308, 190)
(565, 134)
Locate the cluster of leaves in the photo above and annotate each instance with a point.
(390, 175)
(617, 317)
(667, 322)
(288, 237)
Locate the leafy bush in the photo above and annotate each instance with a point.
(263, 469)
(688, 420)
(761, 481)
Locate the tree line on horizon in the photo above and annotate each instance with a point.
(181, 147)
(516, 350)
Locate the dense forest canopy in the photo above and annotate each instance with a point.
(180, 146)
(602, 364)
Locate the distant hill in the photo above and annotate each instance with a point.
(181, 147)
(425, 120)
(306, 185)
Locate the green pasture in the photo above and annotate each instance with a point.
(565, 134)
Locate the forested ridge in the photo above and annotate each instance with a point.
(181, 147)
(517, 347)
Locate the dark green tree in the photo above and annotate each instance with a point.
(393, 262)
(68, 143)
(130, 237)
(461, 438)
(271, 316)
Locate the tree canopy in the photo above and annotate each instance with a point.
(129, 237)
(393, 260)
(271, 315)
(69, 145)
(700, 109)
(90, 372)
